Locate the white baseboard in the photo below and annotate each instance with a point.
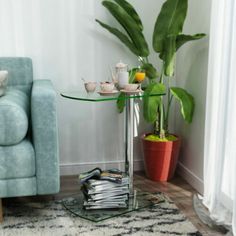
(75, 168)
(190, 177)
(183, 171)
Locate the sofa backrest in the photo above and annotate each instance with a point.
(20, 72)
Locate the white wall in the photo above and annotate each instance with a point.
(192, 63)
(92, 134)
(65, 44)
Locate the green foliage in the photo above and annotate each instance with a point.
(151, 103)
(132, 73)
(168, 25)
(169, 55)
(121, 102)
(182, 39)
(129, 24)
(171, 46)
(131, 11)
(150, 70)
(167, 39)
(122, 37)
(186, 102)
(170, 21)
(121, 98)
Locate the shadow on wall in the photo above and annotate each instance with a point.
(193, 77)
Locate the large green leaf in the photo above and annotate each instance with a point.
(130, 26)
(151, 103)
(131, 11)
(150, 70)
(169, 22)
(169, 55)
(182, 39)
(122, 37)
(171, 45)
(186, 102)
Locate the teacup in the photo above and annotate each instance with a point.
(90, 86)
(131, 87)
(107, 86)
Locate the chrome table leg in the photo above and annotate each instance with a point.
(129, 123)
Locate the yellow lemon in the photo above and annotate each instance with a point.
(140, 76)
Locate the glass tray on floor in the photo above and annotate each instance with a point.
(140, 200)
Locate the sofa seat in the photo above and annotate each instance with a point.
(14, 116)
(17, 161)
(18, 187)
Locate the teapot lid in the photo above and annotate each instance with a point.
(121, 65)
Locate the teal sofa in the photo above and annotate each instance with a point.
(28, 133)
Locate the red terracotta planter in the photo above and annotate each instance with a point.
(160, 158)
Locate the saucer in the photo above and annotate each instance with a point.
(131, 92)
(102, 93)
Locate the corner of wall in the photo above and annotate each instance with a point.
(190, 177)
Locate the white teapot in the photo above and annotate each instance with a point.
(122, 74)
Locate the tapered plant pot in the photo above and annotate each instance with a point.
(160, 158)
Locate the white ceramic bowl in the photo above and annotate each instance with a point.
(131, 87)
(107, 87)
(90, 86)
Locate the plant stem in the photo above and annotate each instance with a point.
(168, 104)
(162, 130)
(161, 114)
(168, 111)
(162, 74)
(156, 127)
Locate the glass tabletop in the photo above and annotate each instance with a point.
(98, 96)
(138, 201)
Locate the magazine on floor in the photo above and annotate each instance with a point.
(97, 183)
(105, 189)
(113, 175)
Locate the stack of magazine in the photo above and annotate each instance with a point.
(105, 189)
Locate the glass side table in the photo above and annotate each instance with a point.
(137, 200)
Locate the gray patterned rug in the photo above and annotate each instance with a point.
(50, 218)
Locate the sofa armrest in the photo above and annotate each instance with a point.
(45, 136)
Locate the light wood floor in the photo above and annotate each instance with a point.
(177, 189)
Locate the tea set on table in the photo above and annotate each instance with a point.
(120, 83)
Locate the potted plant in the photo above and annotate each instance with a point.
(161, 148)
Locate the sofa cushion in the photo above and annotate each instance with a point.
(14, 112)
(20, 71)
(17, 161)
